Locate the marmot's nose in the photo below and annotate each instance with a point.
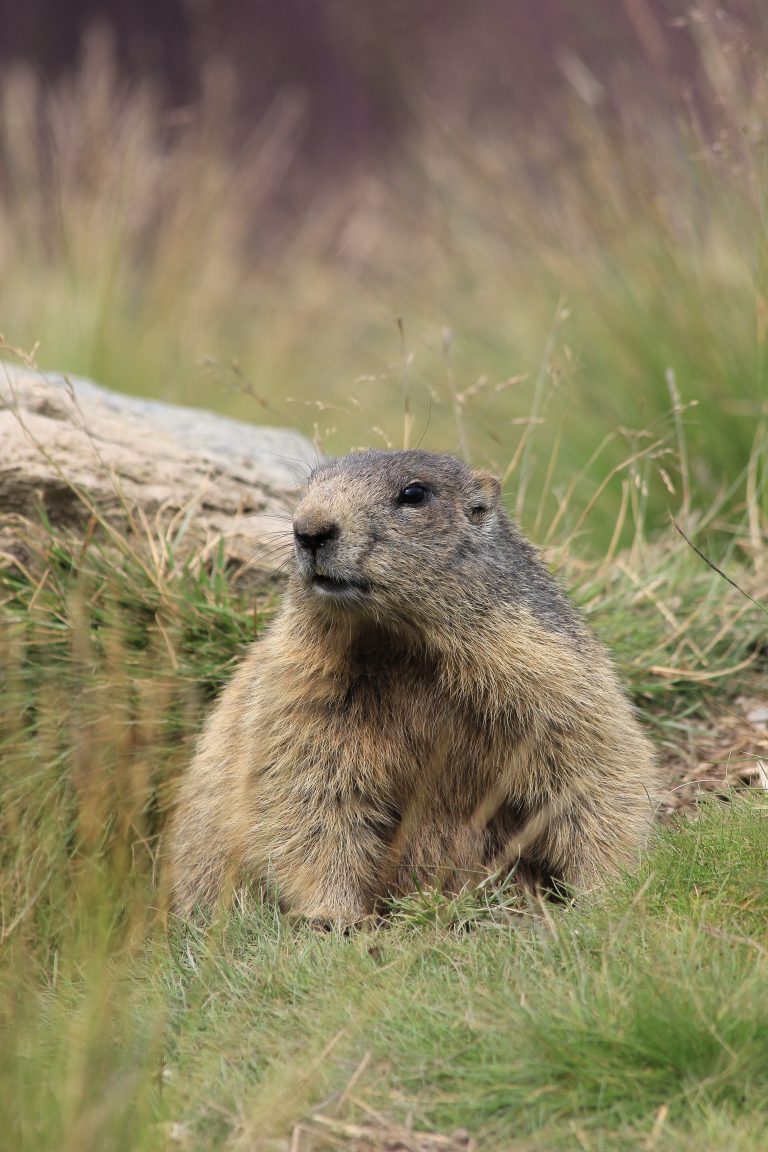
(310, 538)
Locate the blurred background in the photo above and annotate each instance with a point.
(533, 234)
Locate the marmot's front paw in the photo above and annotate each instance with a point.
(318, 925)
(343, 924)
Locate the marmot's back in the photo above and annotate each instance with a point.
(427, 705)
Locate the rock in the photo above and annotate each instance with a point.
(197, 480)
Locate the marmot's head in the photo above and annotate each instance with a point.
(397, 535)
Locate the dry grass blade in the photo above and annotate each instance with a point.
(7, 929)
(719, 571)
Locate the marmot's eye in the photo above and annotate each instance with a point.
(413, 494)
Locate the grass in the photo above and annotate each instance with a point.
(636, 1017)
(590, 1026)
(598, 338)
(515, 1032)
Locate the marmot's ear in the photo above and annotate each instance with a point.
(484, 496)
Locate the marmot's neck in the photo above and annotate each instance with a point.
(485, 659)
(357, 636)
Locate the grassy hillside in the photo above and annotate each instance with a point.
(584, 310)
(634, 1017)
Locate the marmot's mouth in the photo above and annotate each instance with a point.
(336, 584)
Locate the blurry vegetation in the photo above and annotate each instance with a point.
(581, 275)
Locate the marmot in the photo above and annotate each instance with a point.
(426, 706)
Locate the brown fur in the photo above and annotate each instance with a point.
(426, 706)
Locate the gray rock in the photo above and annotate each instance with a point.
(195, 479)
